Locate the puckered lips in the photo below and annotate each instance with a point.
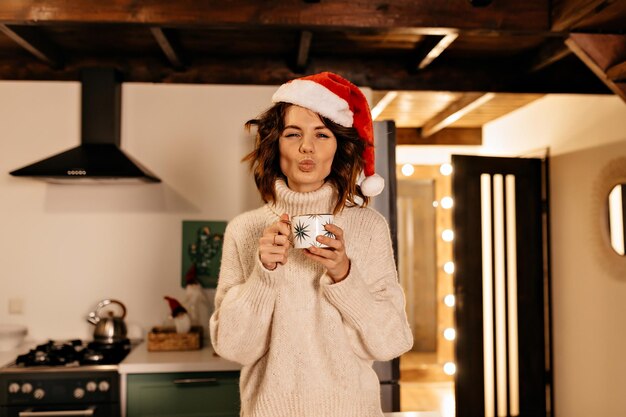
(306, 165)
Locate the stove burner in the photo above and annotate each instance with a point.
(93, 356)
(74, 353)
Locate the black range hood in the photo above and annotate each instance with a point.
(99, 157)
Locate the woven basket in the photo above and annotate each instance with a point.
(166, 339)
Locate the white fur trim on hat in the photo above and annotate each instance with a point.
(315, 97)
(372, 185)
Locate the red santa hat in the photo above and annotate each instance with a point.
(175, 306)
(337, 99)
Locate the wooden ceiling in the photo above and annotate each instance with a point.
(441, 59)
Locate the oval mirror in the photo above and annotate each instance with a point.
(617, 202)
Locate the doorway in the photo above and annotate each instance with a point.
(493, 320)
(425, 269)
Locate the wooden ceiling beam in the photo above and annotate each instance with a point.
(31, 39)
(383, 103)
(440, 44)
(514, 15)
(376, 73)
(304, 46)
(566, 13)
(455, 111)
(592, 16)
(169, 44)
(605, 50)
(601, 53)
(450, 137)
(617, 73)
(550, 52)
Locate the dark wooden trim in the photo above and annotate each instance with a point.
(547, 253)
(304, 45)
(551, 51)
(169, 44)
(434, 49)
(31, 39)
(617, 72)
(598, 52)
(529, 15)
(461, 136)
(566, 13)
(605, 50)
(376, 73)
(455, 111)
(423, 48)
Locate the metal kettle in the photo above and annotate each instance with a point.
(110, 329)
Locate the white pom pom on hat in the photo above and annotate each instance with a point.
(337, 99)
(372, 185)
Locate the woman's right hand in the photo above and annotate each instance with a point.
(274, 244)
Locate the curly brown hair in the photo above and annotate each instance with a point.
(265, 158)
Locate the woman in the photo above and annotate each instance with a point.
(307, 324)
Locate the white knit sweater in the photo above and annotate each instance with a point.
(307, 344)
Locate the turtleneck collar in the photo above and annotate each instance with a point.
(294, 203)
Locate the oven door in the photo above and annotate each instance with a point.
(100, 410)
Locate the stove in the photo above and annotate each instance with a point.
(69, 378)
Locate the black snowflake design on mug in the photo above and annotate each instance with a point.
(327, 233)
(301, 231)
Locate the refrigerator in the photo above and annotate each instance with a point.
(385, 203)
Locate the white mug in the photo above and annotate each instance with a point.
(305, 228)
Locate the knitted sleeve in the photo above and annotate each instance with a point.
(244, 303)
(371, 301)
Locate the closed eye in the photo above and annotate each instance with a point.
(291, 134)
(324, 133)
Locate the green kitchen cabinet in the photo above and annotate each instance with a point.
(189, 394)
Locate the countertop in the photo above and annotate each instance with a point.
(6, 357)
(9, 356)
(140, 361)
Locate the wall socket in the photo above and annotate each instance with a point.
(16, 305)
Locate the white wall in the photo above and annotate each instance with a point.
(583, 134)
(564, 123)
(589, 301)
(64, 248)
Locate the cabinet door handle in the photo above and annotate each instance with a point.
(189, 381)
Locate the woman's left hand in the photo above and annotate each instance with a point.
(333, 257)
